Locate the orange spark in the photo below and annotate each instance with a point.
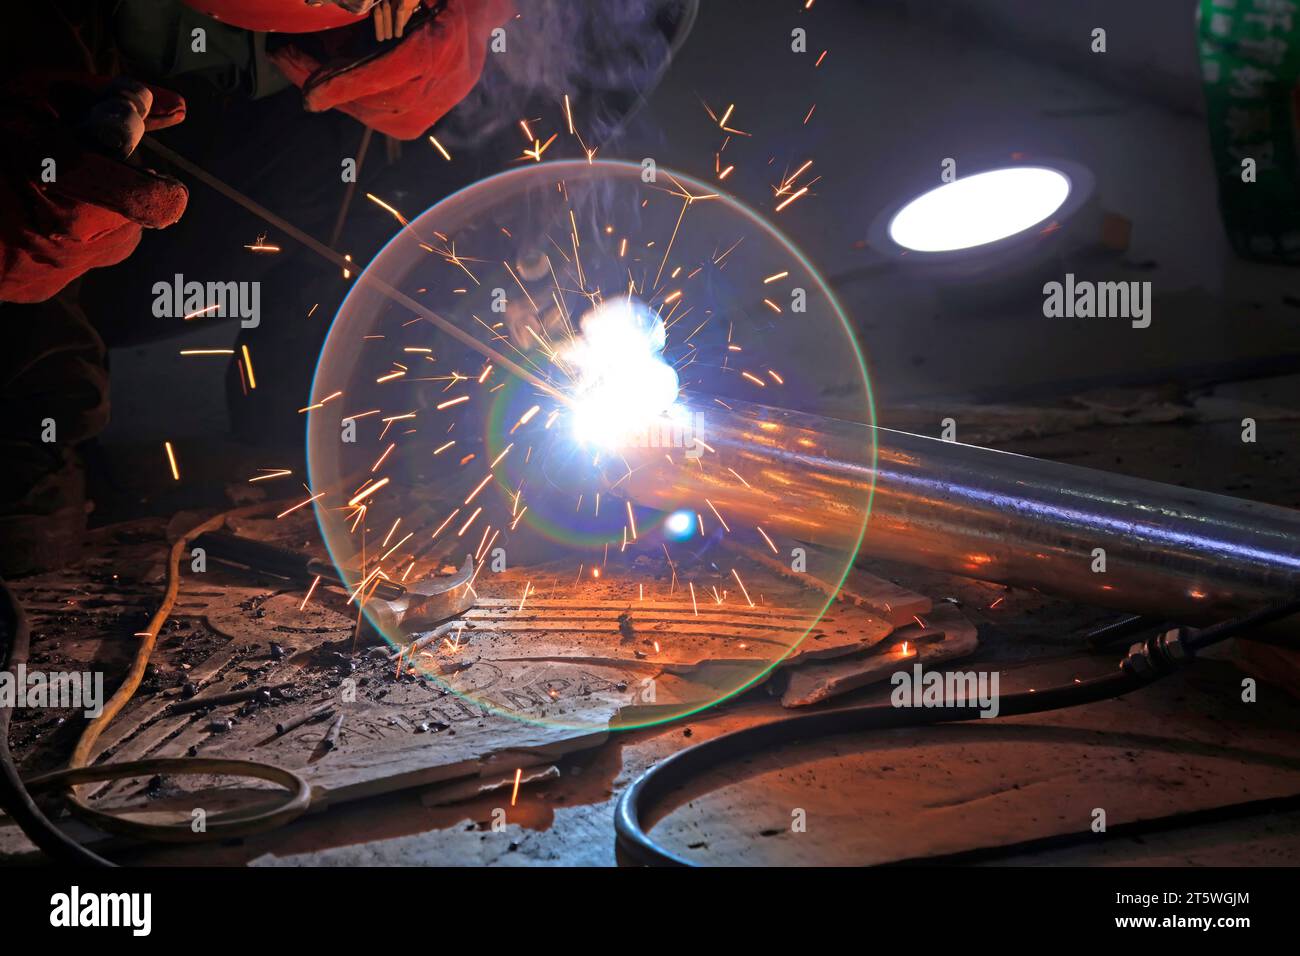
(196, 314)
(375, 467)
(526, 418)
(469, 521)
(310, 591)
(248, 364)
(366, 492)
(383, 205)
(446, 522)
(439, 147)
(742, 586)
(300, 504)
(793, 196)
(474, 494)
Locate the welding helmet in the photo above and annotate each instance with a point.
(284, 16)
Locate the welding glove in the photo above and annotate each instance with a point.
(407, 83)
(69, 200)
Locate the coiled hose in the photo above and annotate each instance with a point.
(1145, 663)
(16, 794)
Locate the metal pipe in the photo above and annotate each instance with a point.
(1185, 555)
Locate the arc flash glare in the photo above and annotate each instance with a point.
(593, 328)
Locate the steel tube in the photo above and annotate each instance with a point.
(1187, 555)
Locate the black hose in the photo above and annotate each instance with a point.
(648, 789)
(16, 794)
(17, 801)
(1199, 640)
(635, 845)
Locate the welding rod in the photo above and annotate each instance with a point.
(320, 713)
(332, 735)
(330, 255)
(281, 562)
(216, 700)
(1180, 554)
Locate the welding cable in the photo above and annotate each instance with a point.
(17, 795)
(56, 844)
(1146, 662)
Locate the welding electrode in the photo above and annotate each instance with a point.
(311, 717)
(332, 737)
(281, 562)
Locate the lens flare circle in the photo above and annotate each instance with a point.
(572, 376)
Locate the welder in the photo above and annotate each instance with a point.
(80, 83)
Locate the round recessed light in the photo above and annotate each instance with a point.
(980, 209)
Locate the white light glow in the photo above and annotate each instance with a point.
(622, 385)
(680, 524)
(980, 209)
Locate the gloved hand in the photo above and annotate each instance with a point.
(391, 16)
(92, 210)
(414, 76)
